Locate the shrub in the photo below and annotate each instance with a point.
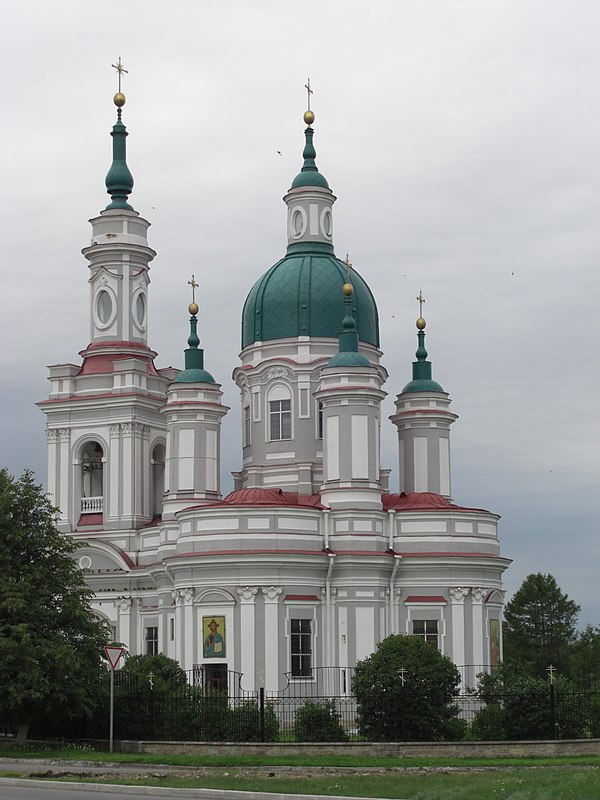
(405, 691)
(319, 722)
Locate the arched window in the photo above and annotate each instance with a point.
(158, 479)
(92, 478)
(280, 414)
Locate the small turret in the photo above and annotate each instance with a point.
(193, 414)
(350, 395)
(423, 420)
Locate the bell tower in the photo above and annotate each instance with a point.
(106, 436)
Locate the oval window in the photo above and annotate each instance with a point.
(104, 306)
(140, 309)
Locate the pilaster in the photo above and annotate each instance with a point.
(247, 595)
(457, 601)
(478, 595)
(271, 596)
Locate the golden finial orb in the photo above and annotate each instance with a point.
(193, 309)
(309, 117)
(347, 289)
(421, 323)
(119, 99)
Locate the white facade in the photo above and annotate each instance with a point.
(310, 561)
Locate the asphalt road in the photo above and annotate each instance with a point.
(32, 790)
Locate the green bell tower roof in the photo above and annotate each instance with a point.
(348, 355)
(194, 371)
(119, 180)
(421, 368)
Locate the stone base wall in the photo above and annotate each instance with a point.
(533, 749)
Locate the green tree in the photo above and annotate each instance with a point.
(405, 691)
(50, 640)
(540, 626)
(585, 657)
(162, 672)
(319, 722)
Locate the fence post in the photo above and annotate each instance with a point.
(554, 733)
(261, 705)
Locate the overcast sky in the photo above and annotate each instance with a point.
(461, 138)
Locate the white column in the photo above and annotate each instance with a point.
(188, 628)
(271, 637)
(128, 471)
(458, 594)
(184, 627)
(179, 629)
(479, 631)
(65, 471)
(52, 437)
(124, 619)
(111, 512)
(247, 621)
(147, 500)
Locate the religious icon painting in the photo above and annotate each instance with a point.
(213, 637)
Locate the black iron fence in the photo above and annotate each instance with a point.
(203, 706)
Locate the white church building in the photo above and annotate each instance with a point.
(310, 561)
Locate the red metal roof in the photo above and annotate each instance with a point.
(425, 598)
(271, 497)
(422, 501)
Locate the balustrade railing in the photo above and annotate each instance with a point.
(91, 505)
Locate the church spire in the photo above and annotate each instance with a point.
(348, 355)
(421, 368)
(194, 371)
(119, 180)
(309, 200)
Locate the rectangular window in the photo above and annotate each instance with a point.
(246, 435)
(280, 419)
(427, 629)
(172, 629)
(151, 638)
(319, 420)
(301, 648)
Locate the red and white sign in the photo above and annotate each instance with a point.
(113, 654)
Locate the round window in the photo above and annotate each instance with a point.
(104, 306)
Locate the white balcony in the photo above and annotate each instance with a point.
(91, 505)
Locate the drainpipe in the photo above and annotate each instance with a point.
(391, 517)
(392, 621)
(329, 614)
(326, 529)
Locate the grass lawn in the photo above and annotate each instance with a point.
(419, 779)
(545, 783)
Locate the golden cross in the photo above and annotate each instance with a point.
(421, 300)
(120, 70)
(309, 91)
(194, 286)
(348, 265)
(551, 670)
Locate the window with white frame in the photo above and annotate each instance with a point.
(280, 419)
(319, 420)
(427, 629)
(151, 640)
(246, 430)
(301, 648)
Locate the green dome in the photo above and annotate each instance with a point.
(302, 296)
(194, 376)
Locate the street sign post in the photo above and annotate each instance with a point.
(113, 655)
